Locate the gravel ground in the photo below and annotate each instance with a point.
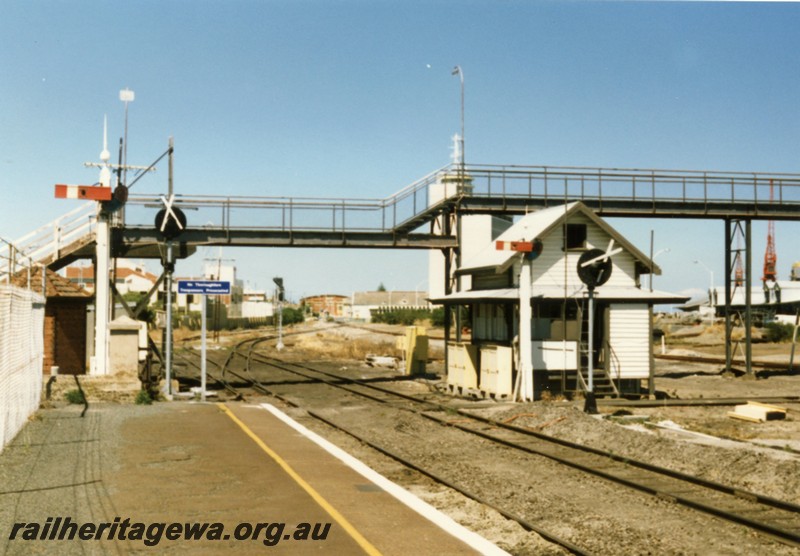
(604, 518)
(55, 467)
(57, 462)
(758, 457)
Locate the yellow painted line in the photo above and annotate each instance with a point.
(333, 512)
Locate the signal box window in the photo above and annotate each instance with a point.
(576, 236)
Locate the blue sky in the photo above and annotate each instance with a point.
(356, 99)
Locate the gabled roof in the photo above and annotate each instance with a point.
(124, 272)
(55, 284)
(540, 224)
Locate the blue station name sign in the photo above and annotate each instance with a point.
(204, 287)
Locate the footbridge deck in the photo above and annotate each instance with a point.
(405, 219)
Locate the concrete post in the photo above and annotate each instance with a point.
(102, 297)
(525, 316)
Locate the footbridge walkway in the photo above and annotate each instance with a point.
(412, 218)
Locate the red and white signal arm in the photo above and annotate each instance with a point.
(532, 249)
(88, 192)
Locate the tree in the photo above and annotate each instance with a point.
(381, 287)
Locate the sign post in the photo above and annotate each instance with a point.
(203, 288)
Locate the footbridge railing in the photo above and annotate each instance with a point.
(636, 192)
(491, 188)
(51, 241)
(474, 188)
(287, 214)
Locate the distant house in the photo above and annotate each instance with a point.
(130, 277)
(81, 276)
(327, 305)
(364, 303)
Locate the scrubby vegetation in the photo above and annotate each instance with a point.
(409, 317)
(778, 332)
(74, 396)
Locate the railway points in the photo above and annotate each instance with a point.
(291, 381)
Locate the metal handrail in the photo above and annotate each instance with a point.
(412, 205)
(613, 357)
(52, 238)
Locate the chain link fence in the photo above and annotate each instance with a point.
(21, 355)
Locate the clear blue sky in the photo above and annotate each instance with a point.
(356, 99)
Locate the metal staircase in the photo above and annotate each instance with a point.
(602, 382)
(54, 245)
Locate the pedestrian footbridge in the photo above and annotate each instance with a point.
(416, 217)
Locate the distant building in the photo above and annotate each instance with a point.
(255, 304)
(130, 276)
(364, 303)
(327, 305)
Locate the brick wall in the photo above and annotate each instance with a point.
(65, 336)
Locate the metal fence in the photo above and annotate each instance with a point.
(21, 355)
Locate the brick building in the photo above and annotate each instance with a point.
(65, 320)
(328, 305)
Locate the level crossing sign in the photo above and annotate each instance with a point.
(204, 287)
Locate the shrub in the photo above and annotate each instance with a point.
(75, 396)
(405, 317)
(778, 332)
(290, 315)
(143, 398)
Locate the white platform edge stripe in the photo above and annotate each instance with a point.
(470, 538)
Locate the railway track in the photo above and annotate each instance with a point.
(775, 518)
(764, 365)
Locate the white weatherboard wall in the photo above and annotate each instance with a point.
(550, 268)
(629, 335)
(21, 354)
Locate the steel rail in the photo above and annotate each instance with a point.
(774, 365)
(525, 524)
(609, 466)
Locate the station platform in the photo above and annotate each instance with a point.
(259, 480)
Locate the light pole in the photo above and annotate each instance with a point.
(126, 96)
(458, 71)
(462, 177)
(660, 251)
(710, 289)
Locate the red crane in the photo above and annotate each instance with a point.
(739, 272)
(770, 257)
